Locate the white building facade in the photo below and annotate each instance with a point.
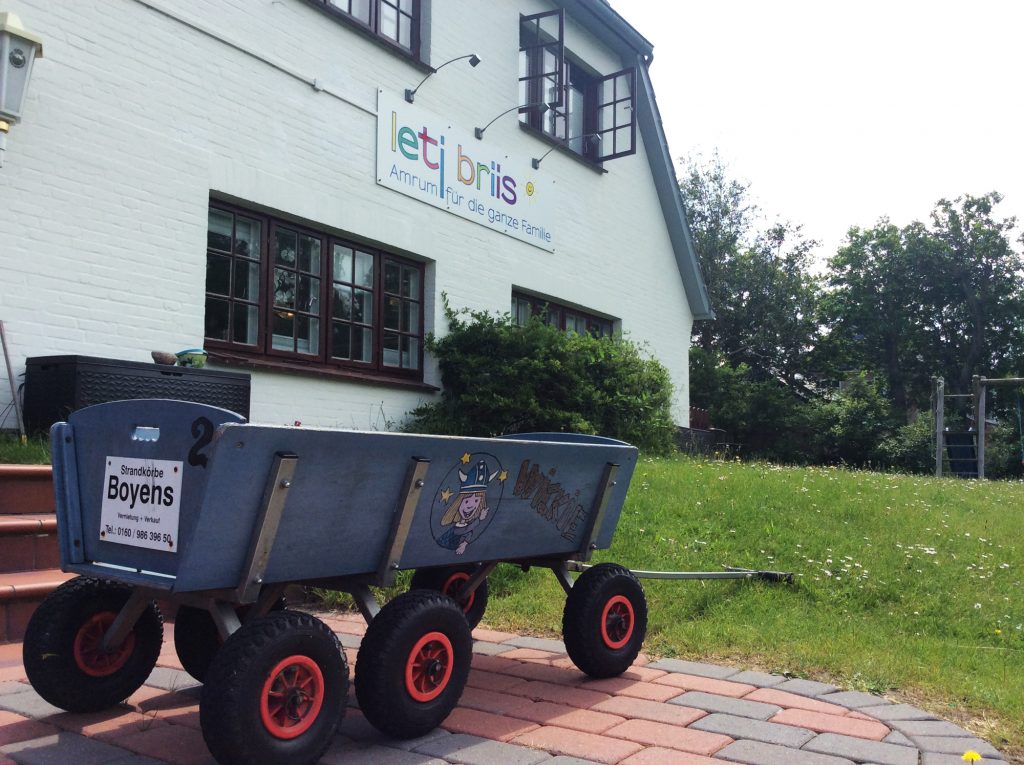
(248, 176)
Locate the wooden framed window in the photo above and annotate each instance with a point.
(565, 318)
(590, 114)
(285, 292)
(394, 21)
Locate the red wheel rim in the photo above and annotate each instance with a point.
(88, 648)
(617, 621)
(429, 667)
(452, 585)
(292, 696)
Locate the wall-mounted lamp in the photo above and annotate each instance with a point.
(18, 49)
(473, 61)
(539, 108)
(594, 139)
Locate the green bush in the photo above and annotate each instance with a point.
(911, 449)
(849, 426)
(500, 377)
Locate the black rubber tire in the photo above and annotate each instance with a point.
(196, 640)
(230, 715)
(388, 647)
(49, 650)
(440, 579)
(586, 629)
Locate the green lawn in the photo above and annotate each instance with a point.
(904, 585)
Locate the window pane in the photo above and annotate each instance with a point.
(364, 269)
(392, 278)
(341, 346)
(405, 6)
(247, 238)
(284, 288)
(308, 340)
(342, 269)
(362, 307)
(362, 344)
(216, 319)
(218, 274)
(342, 308)
(218, 232)
(388, 21)
(309, 254)
(286, 244)
(245, 329)
(391, 358)
(623, 139)
(410, 316)
(247, 280)
(411, 283)
(308, 297)
(410, 353)
(392, 306)
(405, 31)
(284, 331)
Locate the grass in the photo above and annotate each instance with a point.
(904, 585)
(35, 450)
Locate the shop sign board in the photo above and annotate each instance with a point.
(426, 157)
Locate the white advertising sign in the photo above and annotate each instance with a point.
(425, 157)
(141, 499)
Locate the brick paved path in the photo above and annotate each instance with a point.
(525, 704)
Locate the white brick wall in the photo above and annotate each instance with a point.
(134, 118)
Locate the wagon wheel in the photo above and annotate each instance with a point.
(196, 638)
(275, 692)
(448, 581)
(413, 663)
(605, 620)
(63, 655)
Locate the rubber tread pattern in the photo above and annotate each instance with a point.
(229, 709)
(581, 620)
(435, 578)
(48, 648)
(380, 666)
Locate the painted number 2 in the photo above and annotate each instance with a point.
(202, 431)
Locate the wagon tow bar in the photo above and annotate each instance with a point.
(729, 572)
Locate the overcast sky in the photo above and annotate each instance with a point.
(837, 113)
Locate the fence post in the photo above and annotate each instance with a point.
(978, 383)
(940, 413)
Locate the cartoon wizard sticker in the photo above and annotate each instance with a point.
(464, 516)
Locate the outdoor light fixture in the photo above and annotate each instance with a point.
(473, 61)
(541, 108)
(18, 49)
(594, 139)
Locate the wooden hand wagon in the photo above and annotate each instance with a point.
(187, 503)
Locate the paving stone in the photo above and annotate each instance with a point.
(655, 755)
(473, 750)
(669, 736)
(484, 724)
(806, 687)
(539, 644)
(694, 668)
(64, 749)
(898, 738)
(656, 691)
(887, 712)
(861, 750)
(586, 720)
(755, 730)
(28, 703)
(934, 758)
(793, 701)
(171, 679)
(348, 641)
(13, 686)
(412, 743)
(575, 743)
(649, 710)
(706, 684)
(558, 694)
(15, 727)
(760, 679)
(491, 649)
(353, 753)
(759, 753)
(955, 745)
(822, 723)
(853, 699)
(928, 728)
(711, 703)
(177, 744)
(566, 760)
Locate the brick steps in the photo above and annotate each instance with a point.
(29, 555)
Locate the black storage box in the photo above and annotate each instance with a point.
(55, 386)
